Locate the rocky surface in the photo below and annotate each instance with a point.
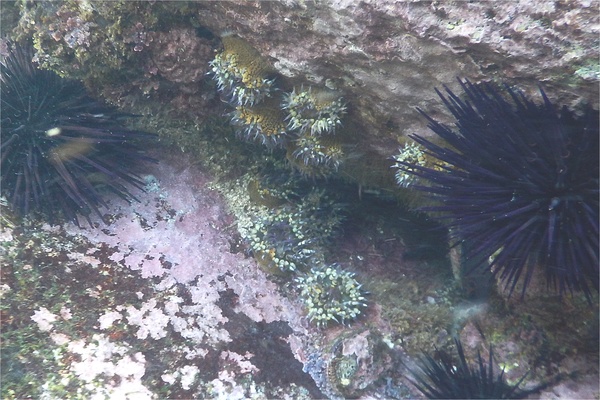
(387, 56)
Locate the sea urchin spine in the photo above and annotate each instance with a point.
(60, 146)
(457, 379)
(519, 182)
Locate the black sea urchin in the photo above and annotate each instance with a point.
(456, 379)
(60, 147)
(518, 183)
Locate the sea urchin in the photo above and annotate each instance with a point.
(518, 183)
(60, 148)
(457, 379)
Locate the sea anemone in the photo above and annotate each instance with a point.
(288, 237)
(331, 294)
(316, 155)
(316, 112)
(409, 154)
(279, 241)
(452, 379)
(518, 184)
(241, 73)
(262, 123)
(60, 148)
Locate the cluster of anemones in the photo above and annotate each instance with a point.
(242, 77)
(304, 121)
(288, 238)
(314, 115)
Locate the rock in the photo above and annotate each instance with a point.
(387, 56)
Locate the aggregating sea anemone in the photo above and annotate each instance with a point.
(304, 120)
(241, 73)
(60, 148)
(262, 123)
(331, 294)
(317, 111)
(518, 182)
(316, 156)
(279, 241)
(289, 237)
(313, 116)
(410, 153)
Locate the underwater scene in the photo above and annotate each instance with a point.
(299, 199)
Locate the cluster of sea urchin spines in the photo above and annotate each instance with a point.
(522, 178)
(59, 146)
(315, 112)
(331, 294)
(457, 379)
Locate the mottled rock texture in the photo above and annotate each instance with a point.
(384, 56)
(387, 56)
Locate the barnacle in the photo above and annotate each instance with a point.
(331, 294)
(317, 111)
(241, 73)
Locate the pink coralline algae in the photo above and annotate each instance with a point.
(179, 234)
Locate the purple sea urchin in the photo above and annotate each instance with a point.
(519, 184)
(451, 379)
(59, 146)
